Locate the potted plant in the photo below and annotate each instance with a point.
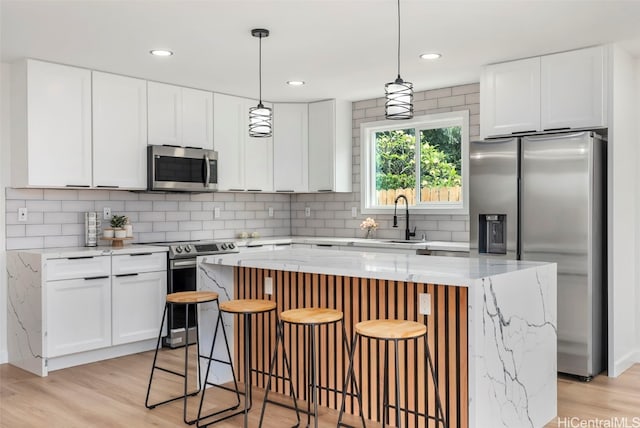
(117, 223)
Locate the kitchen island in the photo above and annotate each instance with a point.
(491, 327)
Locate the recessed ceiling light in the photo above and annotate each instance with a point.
(431, 55)
(295, 82)
(160, 52)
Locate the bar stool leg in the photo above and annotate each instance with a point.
(385, 380)
(155, 357)
(313, 385)
(398, 418)
(272, 366)
(219, 323)
(247, 369)
(350, 377)
(439, 408)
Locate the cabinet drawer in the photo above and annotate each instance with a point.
(139, 263)
(78, 267)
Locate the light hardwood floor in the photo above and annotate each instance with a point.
(112, 393)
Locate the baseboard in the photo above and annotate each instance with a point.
(625, 362)
(4, 357)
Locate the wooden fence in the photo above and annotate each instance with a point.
(441, 194)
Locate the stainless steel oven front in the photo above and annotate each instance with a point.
(181, 277)
(182, 169)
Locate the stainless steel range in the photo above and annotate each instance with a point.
(181, 276)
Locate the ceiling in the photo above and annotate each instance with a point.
(342, 49)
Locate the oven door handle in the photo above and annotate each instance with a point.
(207, 176)
(183, 264)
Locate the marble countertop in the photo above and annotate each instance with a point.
(356, 242)
(397, 267)
(102, 250)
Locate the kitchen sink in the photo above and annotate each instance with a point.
(402, 241)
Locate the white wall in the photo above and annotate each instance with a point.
(637, 121)
(4, 177)
(622, 188)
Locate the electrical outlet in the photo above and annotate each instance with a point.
(23, 214)
(354, 212)
(307, 212)
(424, 304)
(270, 211)
(106, 213)
(268, 285)
(216, 212)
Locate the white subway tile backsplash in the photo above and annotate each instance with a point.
(138, 206)
(202, 197)
(165, 206)
(177, 197)
(15, 230)
(190, 206)
(73, 229)
(77, 206)
(43, 206)
(34, 218)
(93, 195)
(178, 216)
(59, 218)
(201, 234)
(23, 193)
(116, 206)
(151, 197)
(152, 216)
(224, 197)
(166, 226)
(151, 237)
(25, 243)
(178, 236)
(60, 195)
(189, 225)
(64, 241)
(119, 195)
(201, 215)
(43, 230)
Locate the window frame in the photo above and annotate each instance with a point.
(419, 123)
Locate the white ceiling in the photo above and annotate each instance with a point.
(342, 49)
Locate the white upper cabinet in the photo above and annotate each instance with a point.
(180, 116)
(573, 89)
(510, 97)
(51, 125)
(245, 163)
(290, 147)
(330, 146)
(197, 118)
(560, 91)
(119, 131)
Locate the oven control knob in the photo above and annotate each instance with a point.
(223, 246)
(187, 248)
(178, 249)
(231, 245)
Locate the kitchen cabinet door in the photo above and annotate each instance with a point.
(197, 119)
(258, 158)
(51, 125)
(119, 131)
(164, 114)
(330, 143)
(290, 147)
(510, 97)
(78, 314)
(229, 131)
(573, 90)
(138, 303)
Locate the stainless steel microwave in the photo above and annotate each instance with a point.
(182, 169)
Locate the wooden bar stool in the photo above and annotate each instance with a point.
(190, 299)
(390, 330)
(245, 307)
(309, 318)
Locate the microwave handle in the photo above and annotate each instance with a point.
(207, 176)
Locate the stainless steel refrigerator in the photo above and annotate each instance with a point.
(543, 198)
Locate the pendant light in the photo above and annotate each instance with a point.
(399, 94)
(260, 116)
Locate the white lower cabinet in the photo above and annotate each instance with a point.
(137, 305)
(78, 313)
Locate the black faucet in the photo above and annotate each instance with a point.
(407, 233)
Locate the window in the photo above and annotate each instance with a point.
(424, 159)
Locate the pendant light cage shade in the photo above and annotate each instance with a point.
(399, 94)
(260, 121)
(399, 104)
(260, 117)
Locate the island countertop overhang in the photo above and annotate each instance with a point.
(386, 266)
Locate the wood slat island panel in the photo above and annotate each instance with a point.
(363, 299)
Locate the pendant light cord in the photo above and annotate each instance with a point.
(398, 39)
(260, 70)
